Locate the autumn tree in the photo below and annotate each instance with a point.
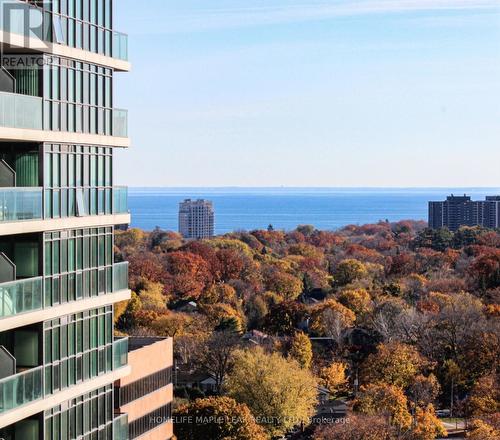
(485, 269)
(393, 363)
(284, 284)
(482, 430)
(427, 425)
(216, 418)
(333, 377)
(330, 318)
(126, 318)
(359, 301)
(485, 396)
(277, 390)
(359, 427)
(389, 400)
(151, 295)
(349, 270)
(301, 350)
(284, 318)
(188, 275)
(423, 390)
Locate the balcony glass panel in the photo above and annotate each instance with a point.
(120, 276)
(120, 353)
(20, 297)
(20, 204)
(120, 123)
(20, 111)
(20, 389)
(120, 46)
(26, 387)
(120, 200)
(120, 427)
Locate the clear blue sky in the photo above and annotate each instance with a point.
(311, 92)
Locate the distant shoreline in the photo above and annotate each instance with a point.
(286, 208)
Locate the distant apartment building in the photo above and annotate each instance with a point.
(457, 211)
(196, 219)
(146, 394)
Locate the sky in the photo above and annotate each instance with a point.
(339, 93)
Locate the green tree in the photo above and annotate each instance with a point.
(277, 391)
(216, 418)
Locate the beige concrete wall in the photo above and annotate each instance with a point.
(149, 359)
(149, 403)
(144, 362)
(29, 135)
(163, 432)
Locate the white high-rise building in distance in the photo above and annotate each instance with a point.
(196, 219)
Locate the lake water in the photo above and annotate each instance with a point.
(285, 208)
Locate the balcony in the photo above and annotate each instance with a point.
(120, 123)
(47, 29)
(29, 386)
(120, 46)
(120, 200)
(120, 427)
(21, 296)
(120, 353)
(27, 203)
(26, 112)
(20, 389)
(21, 111)
(17, 204)
(25, 296)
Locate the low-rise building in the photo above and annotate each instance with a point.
(146, 395)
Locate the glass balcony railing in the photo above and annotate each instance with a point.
(120, 200)
(120, 353)
(29, 386)
(20, 389)
(21, 296)
(120, 427)
(29, 20)
(20, 204)
(120, 123)
(24, 296)
(20, 111)
(120, 46)
(26, 112)
(120, 276)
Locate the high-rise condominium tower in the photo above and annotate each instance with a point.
(457, 211)
(59, 132)
(196, 219)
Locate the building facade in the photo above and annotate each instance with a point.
(146, 395)
(196, 219)
(457, 211)
(59, 206)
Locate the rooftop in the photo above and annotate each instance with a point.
(134, 343)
